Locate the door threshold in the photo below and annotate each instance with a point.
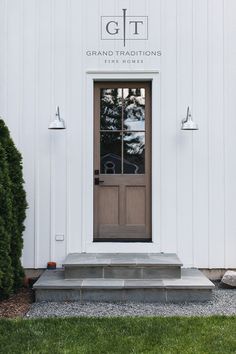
(123, 240)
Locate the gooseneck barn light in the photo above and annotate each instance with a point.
(187, 122)
(58, 123)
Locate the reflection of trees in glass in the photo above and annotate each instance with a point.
(132, 102)
(134, 149)
(134, 109)
(111, 109)
(134, 118)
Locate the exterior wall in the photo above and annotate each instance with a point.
(43, 63)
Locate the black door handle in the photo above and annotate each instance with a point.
(97, 181)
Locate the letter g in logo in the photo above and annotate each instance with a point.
(110, 27)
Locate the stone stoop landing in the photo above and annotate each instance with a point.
(123, 278)
(122, 266)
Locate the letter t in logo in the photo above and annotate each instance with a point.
(136, 25)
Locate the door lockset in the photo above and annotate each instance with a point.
(97, 181)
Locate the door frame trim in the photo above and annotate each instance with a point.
(87, 162)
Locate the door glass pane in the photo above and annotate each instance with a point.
(134, 108)
(110, 153)
(111, 109)
(134, 153)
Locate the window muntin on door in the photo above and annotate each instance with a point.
(122, 130)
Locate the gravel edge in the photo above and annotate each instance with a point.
(223, 303)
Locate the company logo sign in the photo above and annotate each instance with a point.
(124, 28)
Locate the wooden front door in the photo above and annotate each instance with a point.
(122, 161)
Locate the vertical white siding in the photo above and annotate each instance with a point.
(216, 133)
(169, 126)
(229, 130)
(59, 175)
(42, 64)
(14, 68)
(28, 129)
(74, 107)
(200, 140)
(184, 176)
(44, 91)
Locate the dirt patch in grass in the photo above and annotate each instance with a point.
(17, 305)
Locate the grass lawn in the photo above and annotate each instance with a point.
(119, 335)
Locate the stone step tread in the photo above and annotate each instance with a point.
(191, 279)
(122, 259)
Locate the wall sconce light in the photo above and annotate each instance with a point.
(58, 123)
(187, 123)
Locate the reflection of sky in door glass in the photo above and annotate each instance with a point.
(134, 153)
(134, 108)
(111, 109)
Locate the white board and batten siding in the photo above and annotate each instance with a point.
(43, 64)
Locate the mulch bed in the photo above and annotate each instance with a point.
(18, 304)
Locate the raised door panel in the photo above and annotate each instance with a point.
(108, 205)
(135, 205)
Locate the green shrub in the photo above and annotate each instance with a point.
(19, 204)
(6, 219)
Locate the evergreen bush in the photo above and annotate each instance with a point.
(19, 203)
(6, 218)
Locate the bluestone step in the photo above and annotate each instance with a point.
(193, 286)
(122, 265)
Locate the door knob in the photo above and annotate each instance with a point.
(97, 181)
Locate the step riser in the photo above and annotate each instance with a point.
(124, 295)
(122, 272)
